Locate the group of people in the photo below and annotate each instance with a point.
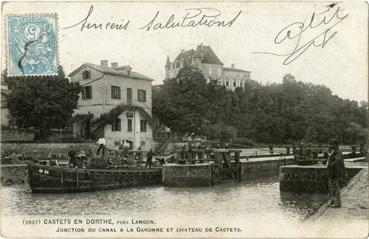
(149, 163)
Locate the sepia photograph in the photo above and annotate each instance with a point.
(184, 119)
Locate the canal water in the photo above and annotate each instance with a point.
(258, 198)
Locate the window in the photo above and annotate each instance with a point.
(129, 125)
(86, 75)
(234, 83)
(143, 125)
(115, 126)
(129, 96)
(115, 92)
(141, 95)
(227, 83)
(86, 92)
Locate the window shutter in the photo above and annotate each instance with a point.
(83, 91)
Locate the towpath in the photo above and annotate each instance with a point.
(351, 220)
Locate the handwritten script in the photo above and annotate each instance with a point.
(191, 18)
(322, 22)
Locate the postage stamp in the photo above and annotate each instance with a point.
(184, 119)
(32, 45)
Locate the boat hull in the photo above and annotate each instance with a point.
(55, 179)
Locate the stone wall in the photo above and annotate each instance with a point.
(188, 175)
(262, 168)
(310, 179)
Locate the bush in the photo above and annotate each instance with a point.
(220, 131)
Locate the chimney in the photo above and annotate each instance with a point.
(232, 65)
(114, 64)
(104, 63)
(125, 69)
(128, 71)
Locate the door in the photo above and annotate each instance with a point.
(129, 96)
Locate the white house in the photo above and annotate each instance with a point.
(115, 102)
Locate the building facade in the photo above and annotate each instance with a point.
(115, 102)
(5, 116)
(205, 59)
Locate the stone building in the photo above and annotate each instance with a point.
(205, 59)
(115, 102)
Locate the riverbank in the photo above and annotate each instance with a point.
(13, 174)
(41, 150)
(351, 219)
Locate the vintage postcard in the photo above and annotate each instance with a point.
(184, 119)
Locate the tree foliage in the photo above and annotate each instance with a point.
(272, 113)
(42, 103)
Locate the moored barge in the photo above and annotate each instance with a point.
(55, 179)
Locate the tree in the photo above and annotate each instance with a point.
(182, 102)
(42, 103)
(272, 113)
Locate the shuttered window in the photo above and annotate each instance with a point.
(115, 92)
(141, 95)
(86, 92)
(129, 125)
(116, 125)
(86, 75)
(143, 125)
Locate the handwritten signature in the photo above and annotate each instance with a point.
(325, 21)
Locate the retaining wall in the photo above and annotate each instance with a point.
(310, 179)
(262, 168)
(188, 175)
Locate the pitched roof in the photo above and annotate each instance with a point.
(233, 69)
(208, 55)
(205, 52)
(185, 55)
(114, 71)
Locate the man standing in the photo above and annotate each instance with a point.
(149, 159)
(101, 144)
(336, 173)
(72, 155)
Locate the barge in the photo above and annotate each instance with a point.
(54, 179)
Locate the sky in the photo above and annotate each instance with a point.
(342, 64)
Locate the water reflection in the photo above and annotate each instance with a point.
(254, 198)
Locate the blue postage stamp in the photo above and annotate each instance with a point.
(32, 45)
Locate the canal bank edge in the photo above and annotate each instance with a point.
(360, 180)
